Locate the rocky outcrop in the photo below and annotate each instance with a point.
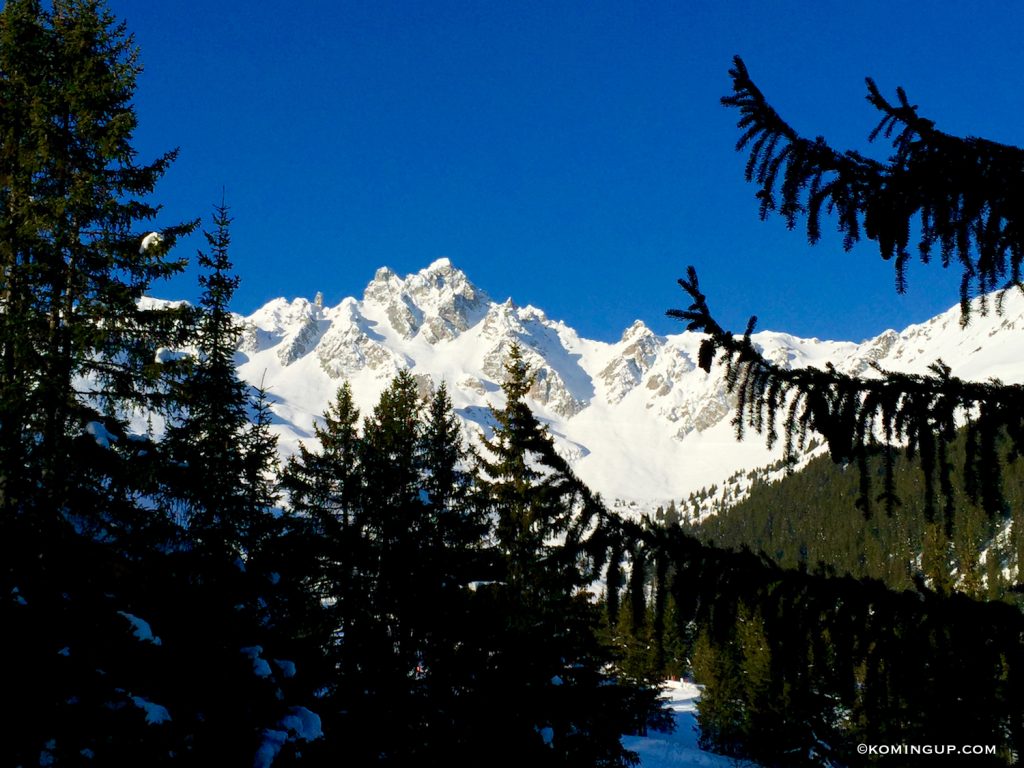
(348, 347)
(639, 350)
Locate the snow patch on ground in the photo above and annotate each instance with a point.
(272, 742)
(679, 749)
(155, 713)
(141, 629)
(260, 667)
(299, 723)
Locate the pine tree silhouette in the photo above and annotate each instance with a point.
(569, 709)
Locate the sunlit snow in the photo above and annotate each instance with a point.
(636, 418)
(152, 240)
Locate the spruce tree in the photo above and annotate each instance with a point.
(802, 667)
(446, 479)
(567, 708)
(77, 345)
(328, 556)
(325, 484)
(206, 438)
(394, 515)
(456, 556)
(79, 525)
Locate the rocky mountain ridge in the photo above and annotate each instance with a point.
(641, 423)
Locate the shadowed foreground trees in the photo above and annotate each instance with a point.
(158, 609)
(458, 593)
(852, 661)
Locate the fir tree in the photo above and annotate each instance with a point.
(206, 437)
(447, 481)
(394, 518)
(800, 667)
(567, 709)
(457, 556)
(260, 467)
(325, 490)
(325, 485)
(76, 343)
(79, 528)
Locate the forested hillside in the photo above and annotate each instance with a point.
(810, 520)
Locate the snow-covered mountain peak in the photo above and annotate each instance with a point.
(437, 303)
(636, 330)
(637, 418)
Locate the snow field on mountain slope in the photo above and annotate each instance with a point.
(636, 418)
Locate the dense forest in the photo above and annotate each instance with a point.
(809, 519)
(171, 594)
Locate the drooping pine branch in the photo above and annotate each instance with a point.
(916, 413)
(963, 195)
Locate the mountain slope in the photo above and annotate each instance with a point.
(639, 421)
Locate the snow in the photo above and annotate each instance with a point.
(152, 240)
(299, 723)
(679, 749)
(165, 355)
(303, 723)
(155, 713)
(287, 667)
(46, 756)
(141, 629)
(260, 667)
(637, 419)
(272, 742)
(100, 434)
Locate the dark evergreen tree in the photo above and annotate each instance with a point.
(219, 458)
(326, 544)
(132, 651)
(390, 520)
(325, 485)
(385, 618)
(77, 513)
(457, 556)
(455, 522)
(260, 468)
(77, 345)
(567, 709)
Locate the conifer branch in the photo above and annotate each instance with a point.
(964, 196)
(913, 412)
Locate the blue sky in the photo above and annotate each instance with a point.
(573, 156)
